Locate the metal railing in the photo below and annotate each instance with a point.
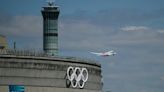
(35, 53)
(22, 52)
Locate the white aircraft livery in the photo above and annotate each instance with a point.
(108, 53)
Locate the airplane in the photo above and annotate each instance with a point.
(108, 53)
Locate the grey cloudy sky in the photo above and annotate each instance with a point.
(133, 28)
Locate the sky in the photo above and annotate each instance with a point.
(132, 28)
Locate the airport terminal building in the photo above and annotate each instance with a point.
(28, 71)
(23, 73)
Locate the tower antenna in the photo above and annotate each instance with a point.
(51, 2)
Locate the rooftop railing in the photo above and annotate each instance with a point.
(34, 53)
(22, 52)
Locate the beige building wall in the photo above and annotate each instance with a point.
(4, 89)
(3, 42)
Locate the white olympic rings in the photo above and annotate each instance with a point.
(77, 76)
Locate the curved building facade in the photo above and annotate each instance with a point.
(46, 74)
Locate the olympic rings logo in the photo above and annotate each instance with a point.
(77, 76)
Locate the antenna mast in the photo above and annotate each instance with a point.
(51, 2)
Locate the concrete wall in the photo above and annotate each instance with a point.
(41, 74)
(47, 89)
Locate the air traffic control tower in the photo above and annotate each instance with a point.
(50, 29)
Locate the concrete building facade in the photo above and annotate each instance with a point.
(45, 74)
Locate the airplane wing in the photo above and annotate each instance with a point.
(99, 54)
(111, 51)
